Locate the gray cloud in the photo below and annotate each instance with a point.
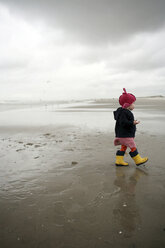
(85, 49)
(96, 21)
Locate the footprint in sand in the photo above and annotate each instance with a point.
(36, 146)
(18, 150)
(74, 162)
(36, 157)
(29, 144)
(47, 134)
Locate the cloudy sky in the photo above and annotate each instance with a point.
(76, 49)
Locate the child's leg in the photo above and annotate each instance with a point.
(133, 149)
(120, 156)
(123, 148)
(132, 144)
(135, 155)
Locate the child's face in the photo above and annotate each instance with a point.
(131, 107)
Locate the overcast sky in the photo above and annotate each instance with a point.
(76, 49)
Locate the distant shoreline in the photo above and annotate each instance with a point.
(99, 100)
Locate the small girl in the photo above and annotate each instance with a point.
(125, 129)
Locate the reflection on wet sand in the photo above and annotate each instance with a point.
(126, 211)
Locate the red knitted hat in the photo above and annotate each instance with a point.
(126, 99)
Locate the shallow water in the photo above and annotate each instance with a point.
(87, 116)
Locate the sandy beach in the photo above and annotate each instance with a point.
(59, 186)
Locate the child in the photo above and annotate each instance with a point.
(125, 129)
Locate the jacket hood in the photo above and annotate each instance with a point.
(117, 113)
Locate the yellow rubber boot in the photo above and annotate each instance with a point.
(120, 159)
(137, 158)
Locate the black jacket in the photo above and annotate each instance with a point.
(124, 123)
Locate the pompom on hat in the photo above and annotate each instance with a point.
(126, 99)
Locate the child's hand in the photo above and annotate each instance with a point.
(136, 122)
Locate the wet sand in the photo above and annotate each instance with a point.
(59, 187)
